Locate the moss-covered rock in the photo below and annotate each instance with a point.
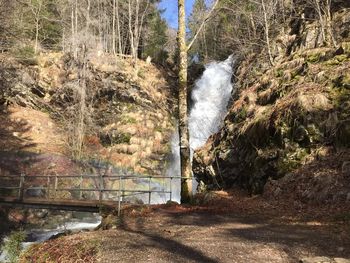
(318, 55)
(337, 60)
(346, 47)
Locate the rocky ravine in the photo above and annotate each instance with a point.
(293, 114)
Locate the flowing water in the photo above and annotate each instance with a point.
(56, 224)
(210, 96)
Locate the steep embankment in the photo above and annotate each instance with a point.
(290, 121)
(127, 114)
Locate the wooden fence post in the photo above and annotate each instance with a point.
(123, 189)
(119, 195)
(21, 187)
(56, 185)
(171, 189)
(149, 190)
(80, 187)
(48, 187)
(101, 189)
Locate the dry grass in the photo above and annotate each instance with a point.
(71, 249)
(34, 128)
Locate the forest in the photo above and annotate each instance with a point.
(137, 28)
(175, 131)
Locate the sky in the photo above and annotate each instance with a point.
(170, 13)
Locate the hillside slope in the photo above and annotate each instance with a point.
(126, 115)
(290, 121)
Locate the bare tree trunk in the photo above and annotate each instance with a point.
(136, 33)
(320, 15)
(118, 27)
(88, 20)
(73, 31)
(36, 11)
(113, 28)
(131, 34)
(76, 30)
(215, 42)
(64, 40)
(135, 26)
(186, 169)
(80, 130)
(203, 24)
(329, 22)
(205, 43)
(185, 152)
(253, 25)
(125, 50)
(141, 23)
(100, 30)
(267, 29)
(36, 35)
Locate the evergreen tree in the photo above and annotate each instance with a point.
(156, 38)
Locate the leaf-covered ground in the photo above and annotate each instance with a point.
(222, 227)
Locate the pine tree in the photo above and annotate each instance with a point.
(156, 38)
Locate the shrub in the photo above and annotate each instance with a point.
(13, 245)
(25, 55)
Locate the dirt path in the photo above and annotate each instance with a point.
(230, 228)
(201, 237)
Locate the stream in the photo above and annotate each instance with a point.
(57, 223)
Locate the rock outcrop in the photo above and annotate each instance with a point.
(283, 116)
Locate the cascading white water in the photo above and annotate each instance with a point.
(210, 97)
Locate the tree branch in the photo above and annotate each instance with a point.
(202, 25)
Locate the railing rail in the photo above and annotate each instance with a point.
(97, 176)
(51, 186)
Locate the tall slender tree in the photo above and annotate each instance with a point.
(185, 159)
(186, 168)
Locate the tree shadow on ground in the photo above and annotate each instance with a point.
(320, 240)
(15, 159)
(294, 239)
(179, 251)
(14, 145)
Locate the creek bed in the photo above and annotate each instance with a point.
(54, 224)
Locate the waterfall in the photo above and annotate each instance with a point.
(210, 97)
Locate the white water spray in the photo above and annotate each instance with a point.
(210, 97)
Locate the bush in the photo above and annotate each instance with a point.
(25, 55)
(13, 245)
(113, 138)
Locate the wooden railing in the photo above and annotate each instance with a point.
(50, 186)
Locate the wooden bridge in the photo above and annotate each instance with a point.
(81, 192)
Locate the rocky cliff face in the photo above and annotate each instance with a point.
(283, 117)
(127, 114)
